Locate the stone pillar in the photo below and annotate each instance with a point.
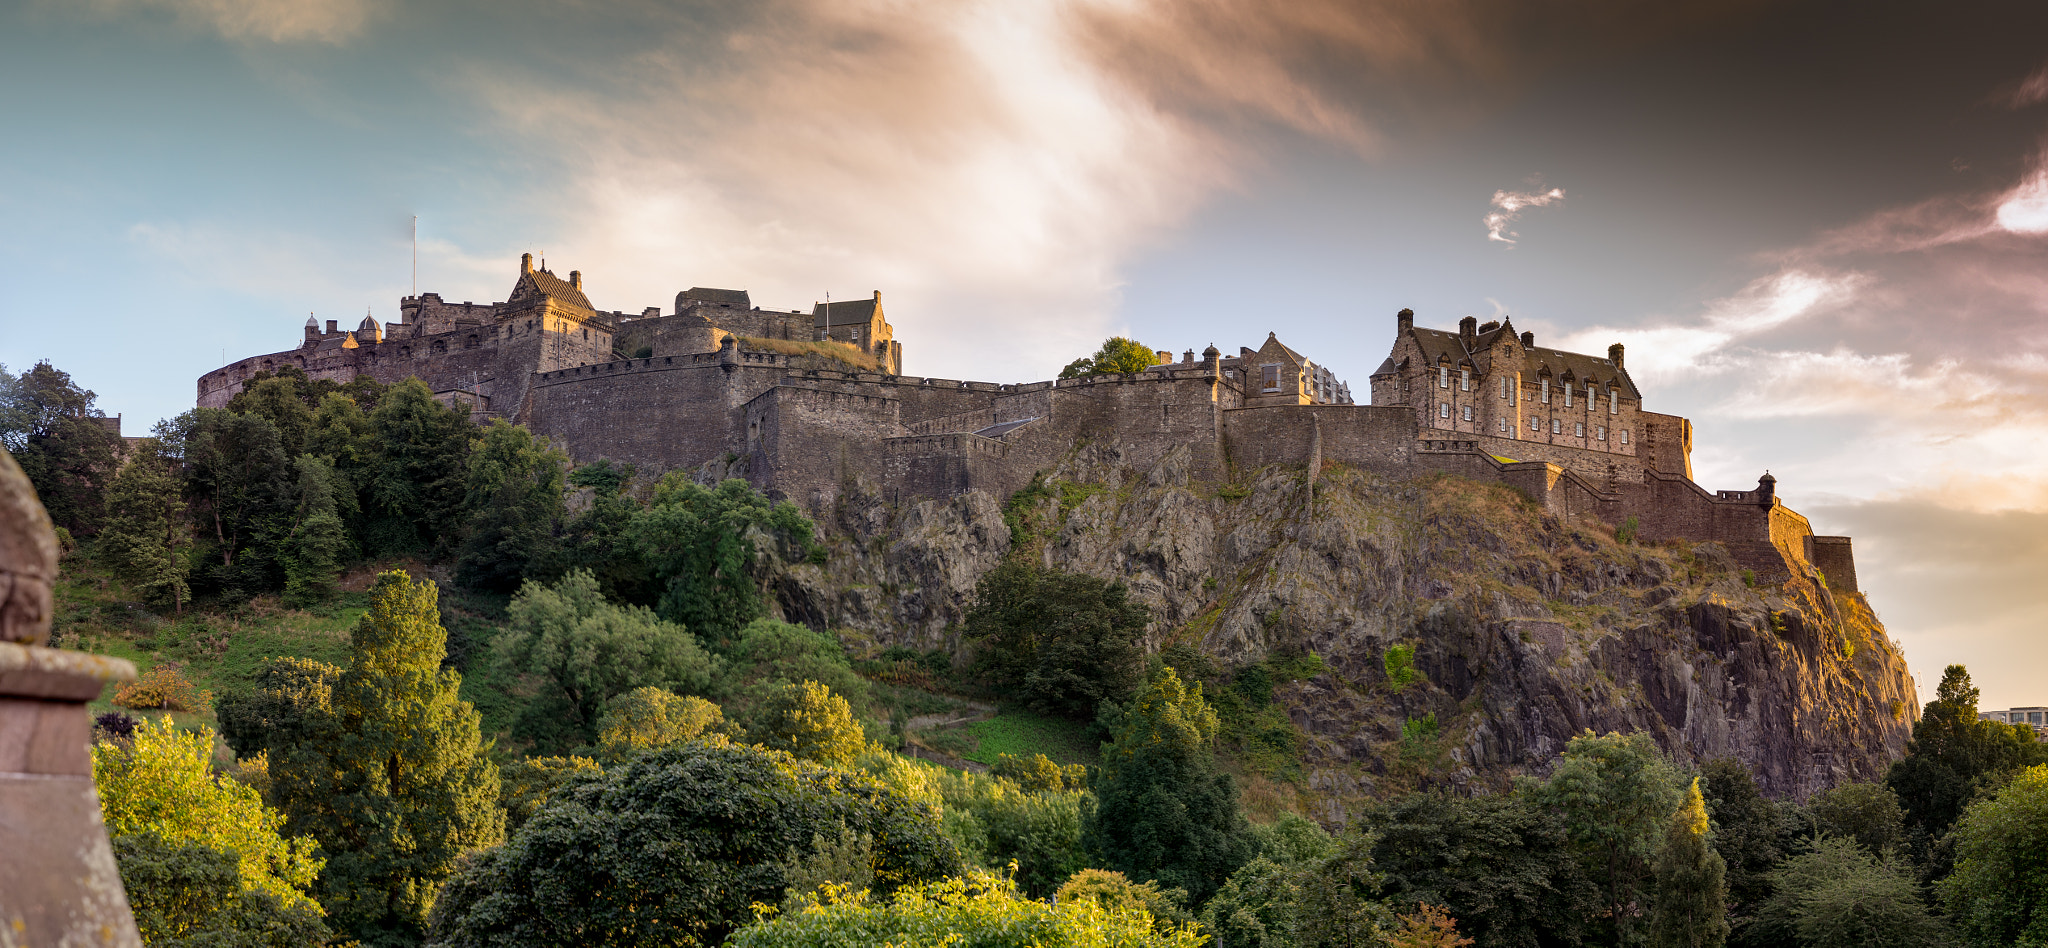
(58, 881)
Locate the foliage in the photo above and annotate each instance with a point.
(977, 911)
(527, 783)
(1614, 795)
(1062, 642)
(1120, 896)
(240, 483)
(1339, 905)
(589, 651)
(316, 541)
(186, 894)
(650, 718)
(414, 482)
(673, 848)
(513, 502)
(1257, 907)
(159, 783)
(1165, 811)
(381, 763)
(598, 538)
(1429, 927)
(145, 535)
(1999, 891)
(1499, 864)
(1626, 533)
(1039, 772)
(1689, 910)
(1840, 896)
(53, 431)
(701, 547)
(1400, 666)
(1867, 813)
(994, 823)
(1953, 757)
(770, 653)
(808, 721)
(1118, 355)
(163, 688)
(114, 726)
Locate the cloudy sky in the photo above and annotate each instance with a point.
(1821, 229)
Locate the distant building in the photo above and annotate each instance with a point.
(2035, 717)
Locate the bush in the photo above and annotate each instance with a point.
(114, 726)
(992, 821)
(808, 721)
(1039, 772)
(1999, 892)
(1400, 666)
(189, 895)
(1120, 896)
(162, 688)
(980, 909)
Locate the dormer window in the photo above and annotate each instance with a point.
(1591, 398)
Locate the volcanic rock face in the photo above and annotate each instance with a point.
(1526, 630)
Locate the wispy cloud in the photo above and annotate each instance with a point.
(1508, 207)
(2033, 90)
(250, 21)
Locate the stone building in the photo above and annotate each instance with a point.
(803, 404)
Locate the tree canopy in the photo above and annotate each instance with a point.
(1063, 643)
(1118, 355)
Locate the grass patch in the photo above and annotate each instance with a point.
(1020, 733)
(836, 351)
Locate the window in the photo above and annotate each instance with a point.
(1464, 380)
(1514, 390)
(1503, 424)
(1603, 432)
(1589, 396)
(1535, 425)
(1567, 395)
(1443, 376)
(1546, 391)
(1624, 436)
(1579, 430)
(1503, 386)
(1270, 377)
(1468, 413)
(1614, 401)
(856, 337)
(1556, 426)
(1443, 409)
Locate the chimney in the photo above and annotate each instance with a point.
(332, 328)
(1528, 340)
(878, 297)
(1614, 354)
(1164, 357)
(1188, 356)
(526, 263)
(1469, 328)
(1404, 321)
(576, 279)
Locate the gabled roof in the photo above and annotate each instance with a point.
(845, 312)
(1273, 341)
(541, 283)
(1437, 344)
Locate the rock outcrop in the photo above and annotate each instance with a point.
(1526, 630)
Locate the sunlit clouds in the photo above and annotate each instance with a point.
(1508, 207)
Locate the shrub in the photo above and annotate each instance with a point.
(1039, 772)
(1400, 665)
(1121, 896)
(808, 721)
(980, 909)
(114, 726)
(162, 688)
(1626, 533)
(190, 894)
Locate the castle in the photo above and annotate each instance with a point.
(801, 404)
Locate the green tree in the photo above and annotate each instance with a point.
(598, 539)
(146, 534)
(1339, 905)
(674, 847)
(808, 721)
(1118, 355)
(1504, 867)
(1689, 910)
(61, 442)
(1120, 896)
(414, 486)
(589, 651)
(1615, 796)
(1063, 642)
(1259, 906)
(649, 718)
(1748, 834)
(708, 549)
(382, 763)
(770, 653)
(190, 895)
(316, 541)
(159, 782)
(1164, 810)
(514, 506)
(282, 401)
(1953, 757)
(240, 482)
(1998, 894)
(1839, 896)
(1867, 813)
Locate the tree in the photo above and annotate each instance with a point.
(1118, 355)
(589, 651)
(598, 540)
(1998, 894)
(770, 653)
(980, 909)
(649, 718)
(1867, 813)
(1615, 796)
(515, 509)
(1165, 811)
(1339, 905)
(1429, 927)
(1689, 910)
(1747, 833)
(1063, 642)
(145, 536)
(808, 721)
(1039, 772)
(1839, 896)
(1499, 864)
(61, 442)
(674, 847)
(282, 401)
(190, 895)
(1259, 906)
(315, 542)
(380, 762)
(704, 548)
(413, 487)
(159, 783)
(1120, 896)
(240, 483)
(1953, 757)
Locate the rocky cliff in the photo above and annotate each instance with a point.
(1525, 630)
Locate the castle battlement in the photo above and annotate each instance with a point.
(804, 403)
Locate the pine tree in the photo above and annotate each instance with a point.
(1692, 891)
(381, 763)
(145, 535)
